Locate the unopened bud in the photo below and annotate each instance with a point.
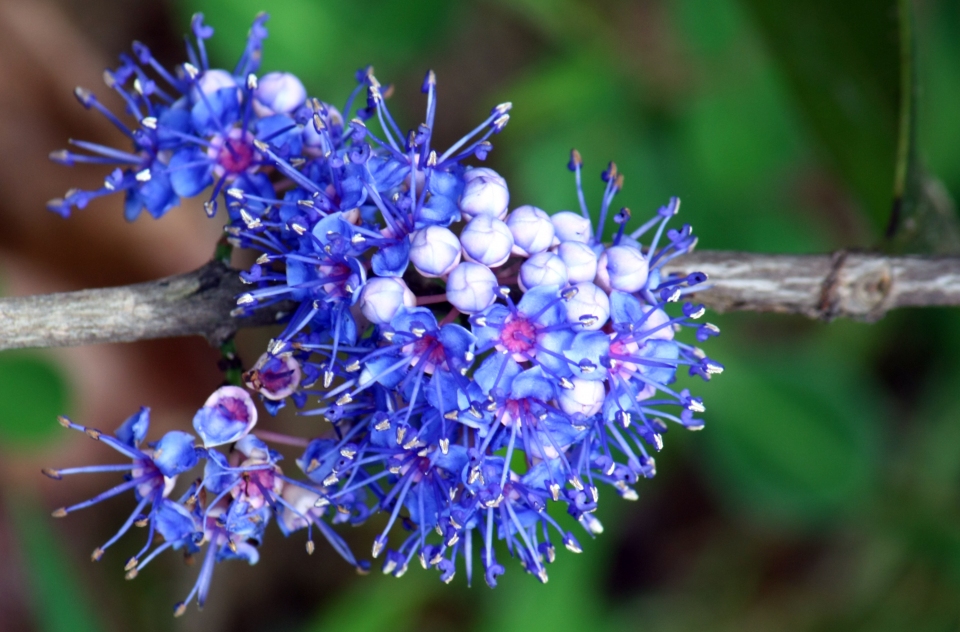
(471, 287)
(543, 268)
(278, 93)
(572, 227)
(622, 268)
(487, 240)
(382, 298)
(580, 260)
(532, 230)
(484, 193)
(434, 251)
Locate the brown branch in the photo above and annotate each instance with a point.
(196, 303)
(851, 285)
(843, 285)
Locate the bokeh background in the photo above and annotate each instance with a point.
(824, 493)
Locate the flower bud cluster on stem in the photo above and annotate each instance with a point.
(461, 363)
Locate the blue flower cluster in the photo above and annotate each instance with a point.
(475, 368)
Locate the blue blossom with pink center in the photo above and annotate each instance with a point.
(463, 366)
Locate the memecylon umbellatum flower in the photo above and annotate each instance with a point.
(471, 366)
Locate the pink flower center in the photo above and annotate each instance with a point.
(234, 408)
(275, 381)
(235, 156)
(255, 483)
(421, 346)
(518, 335)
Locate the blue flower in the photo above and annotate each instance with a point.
(150, 475)
(465, 383)
(193, 128)
(227, 416)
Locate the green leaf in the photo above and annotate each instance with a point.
(842, 61)
(572, 598)
(924, 218)
(33, 391)
(59, 603)
(379, 603)
(324, 43)
(795, 441)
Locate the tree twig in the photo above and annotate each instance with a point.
(845, 284)
(196, 303)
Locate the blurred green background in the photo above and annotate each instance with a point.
(824, 493)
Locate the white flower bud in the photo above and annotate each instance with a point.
(486, 240)
(580, 260)
(330, 116)
(434, 251)
(484, 193)
(382, 298)
(586, 397)
(278, 93)
(590, 308)
(656, 324)
(543, 268)
(471, 287)
(622, 268)
(299, 502)
(572, 227)
(532, 230)
(213, 80)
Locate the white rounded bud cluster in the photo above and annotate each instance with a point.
(484, 193)
(572, 227)
(486, 240)
(580, 260)
(278, 93)
(585, 398)
(382, 298)
(656, 324)
(543, 268)
(532, 230)
(213, 80)
(434, 251)
(590, 307)
(330, 116)
(622, 268)
(471, 287)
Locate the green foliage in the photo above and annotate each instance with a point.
(58, 599)
(33, 391)
(842, 61)
(325, 42)
(795, 440)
